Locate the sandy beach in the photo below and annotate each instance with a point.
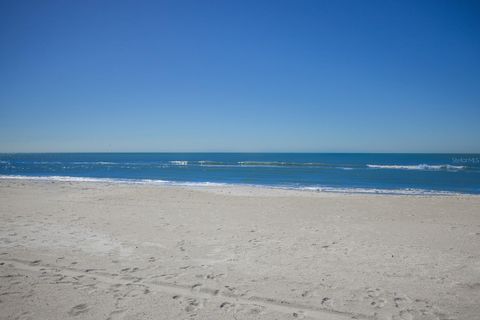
(117, 251)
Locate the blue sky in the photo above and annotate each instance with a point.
(313, 76)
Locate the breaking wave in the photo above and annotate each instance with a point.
(158, 182)
(425, 167)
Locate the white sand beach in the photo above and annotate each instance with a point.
(78, 250)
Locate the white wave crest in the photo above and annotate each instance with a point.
(95, 162)
(179, 162)
(425, 167)
(112, 180)
(406, 191)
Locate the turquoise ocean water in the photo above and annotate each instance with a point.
(334, 172)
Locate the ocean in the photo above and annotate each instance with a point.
(330, 172)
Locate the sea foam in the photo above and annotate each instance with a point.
(179, 162)
(425, 167)
(405, 191)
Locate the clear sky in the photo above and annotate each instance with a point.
(314, 76)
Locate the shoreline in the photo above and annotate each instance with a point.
(196, 185)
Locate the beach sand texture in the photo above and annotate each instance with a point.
(115, 251)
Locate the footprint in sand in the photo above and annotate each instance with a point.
(226, 305)
(211, 276)
(249, 310)
(116, 314)
(78, 309)
(406, 315)
(191, 304)
(196, 287)
(298, 315)
(35, 263)
(24, 316)
(401, 301)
